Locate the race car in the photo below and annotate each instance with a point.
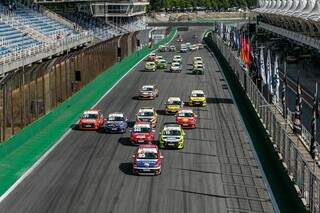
(147, 114)
(196, 59)
(91, 120)
(194, 47)
(158, 57)
(172, 48)
(116, 122)
(186, 118)
(172, 136)
(147, 160)
(177, 59)
(142, 133)
(150, 66)
(197, 98)
(173, 105)
(163, 48)
(183, 49)
(161, 64)
(198, 69)
(175, 67)
(148, 92)
(152, 57)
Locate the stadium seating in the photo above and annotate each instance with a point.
(13, 38)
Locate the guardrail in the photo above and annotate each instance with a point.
(303, 172)
(26, 56)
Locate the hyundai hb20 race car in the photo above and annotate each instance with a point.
(150, 66)
(91, 120)
(186, 118)
(147, 114)
(197, 98)
(152, 57)
(148, 92)
(173, 105)
(146, 160)
(172, 136)
(116, 122)
(142, 133)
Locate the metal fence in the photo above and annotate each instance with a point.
(302, 172)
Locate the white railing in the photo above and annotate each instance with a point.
(29, 55)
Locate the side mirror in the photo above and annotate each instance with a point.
(133, 156)
(153, 130)
(161, 156)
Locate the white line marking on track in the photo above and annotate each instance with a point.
(43, 157)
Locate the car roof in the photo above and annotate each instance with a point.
(197, 57)
(176, 56)
(174, 99)
(147, 148)
(197, 91)
(116, 114)
(146, 109)
(186, 111)
(91, 111)
(171, 127)
(148, 86)
(142, 124)
(150, 62)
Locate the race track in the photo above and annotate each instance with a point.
(91, 171)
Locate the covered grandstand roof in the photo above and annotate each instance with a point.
(305, 9)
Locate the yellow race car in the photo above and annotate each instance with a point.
(173, 105)
(197, 98)
(150, 66)
(172, 136)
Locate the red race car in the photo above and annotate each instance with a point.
(91, 120)
(147, 160)
(152, 57)
(142, 133)
(186, 118)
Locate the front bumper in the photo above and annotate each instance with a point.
(171, 145)
(197, 103)
(146, 170)
(187, 125)
(146, 97)
(85, 126)
(114, 129)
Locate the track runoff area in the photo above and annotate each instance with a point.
(91, 171)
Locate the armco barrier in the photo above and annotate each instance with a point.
(22, 150)
(299, 169)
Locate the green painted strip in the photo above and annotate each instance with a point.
(21, 151)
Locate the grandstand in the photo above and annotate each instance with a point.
(295, 15)
(105, 19)
(33, 30)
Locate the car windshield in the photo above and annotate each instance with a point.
(139, 129)
(176, 65)
(147, 89)
(174, 132)
(150, 64)
(145, 114)
(147, 155)
(185, 114)
(197, 95)
(90, 116)
(115, 118)
(174, 102)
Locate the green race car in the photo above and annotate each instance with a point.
(172, 136)
(162, 64)
(150, 66)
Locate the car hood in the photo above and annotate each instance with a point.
(197, 98)
(88, 120)
(115, 123)
(146, 162)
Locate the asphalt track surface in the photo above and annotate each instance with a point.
(91, 171)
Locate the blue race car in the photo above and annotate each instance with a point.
(116, 123)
